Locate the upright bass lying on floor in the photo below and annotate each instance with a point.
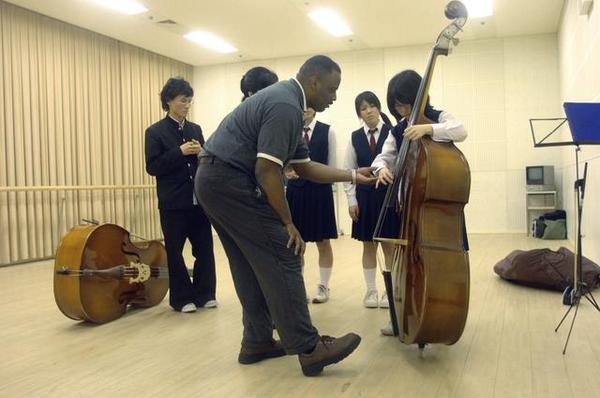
(98, 272)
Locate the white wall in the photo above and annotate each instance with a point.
(493, 86)
(579, 49)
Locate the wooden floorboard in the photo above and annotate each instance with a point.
(508, 349)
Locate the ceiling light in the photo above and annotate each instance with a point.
(331, 22)
(479, 8)
(211, 42)
(130, 7)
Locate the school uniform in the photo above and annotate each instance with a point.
(181, 217)
(311, 204)
(364, 146)
(445, 129)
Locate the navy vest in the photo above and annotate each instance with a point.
(364, 156)
(398, 130)
(318, 148)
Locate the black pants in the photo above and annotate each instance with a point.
(192, 224)
(267, 275)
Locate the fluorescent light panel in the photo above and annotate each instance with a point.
(210, 41)
(130, 7)
(479, 8)
(330, 21)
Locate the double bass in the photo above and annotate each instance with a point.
(98, 272)
(429, 279)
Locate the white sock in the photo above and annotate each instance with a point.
(370, 274)
(325, 275)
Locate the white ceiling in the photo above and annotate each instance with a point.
(263, 29)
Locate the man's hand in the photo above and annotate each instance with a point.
(362, 179)
(366, 171)
(417, 131)
(353, 211)
(290, 173)
(295, 240)
(192, 147)
(384, 177)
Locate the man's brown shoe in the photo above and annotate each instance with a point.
(256, 352)
(328, 350)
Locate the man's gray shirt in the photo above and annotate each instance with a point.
(268, 125)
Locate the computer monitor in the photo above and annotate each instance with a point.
(540, 178)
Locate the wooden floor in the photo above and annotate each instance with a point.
(509, 347)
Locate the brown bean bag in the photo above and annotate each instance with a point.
(546, 269)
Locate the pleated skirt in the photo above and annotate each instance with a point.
(313, 211)
(370, 203)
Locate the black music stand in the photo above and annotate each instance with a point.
(585, 130)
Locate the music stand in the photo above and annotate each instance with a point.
(585, 130)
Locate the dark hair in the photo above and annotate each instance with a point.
(403, 88)
(386, 119)
(256, 79)
(174, 87)
(370, 98)
(317, 65)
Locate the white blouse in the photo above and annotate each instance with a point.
(351, 162)
(448, 129)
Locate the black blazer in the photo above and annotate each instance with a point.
(174, 172)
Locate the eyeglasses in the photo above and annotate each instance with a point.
(186, 101)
